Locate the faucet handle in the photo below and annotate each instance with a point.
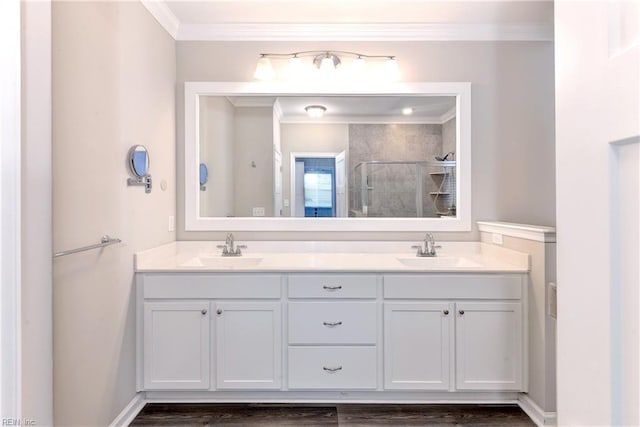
(419, 248)
(238, 249)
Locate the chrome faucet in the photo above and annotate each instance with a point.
(429, 248)
(228, 249)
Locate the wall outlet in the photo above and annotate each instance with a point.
(496, 238)
(172, 223)
(285, 202)
(258, 211)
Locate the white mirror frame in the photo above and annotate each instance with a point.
(194, 90)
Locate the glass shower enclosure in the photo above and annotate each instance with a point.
(403, 189)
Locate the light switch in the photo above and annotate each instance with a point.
(258, 211)
(285, 202)
(172, 223)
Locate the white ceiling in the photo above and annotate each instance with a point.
(358, 109)
(354, 19)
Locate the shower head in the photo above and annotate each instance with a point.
(445, 157)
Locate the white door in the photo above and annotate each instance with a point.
(417, 345)
(341, 185)
(176, 345)
(277, 183)
(248, 345)
(488, 346)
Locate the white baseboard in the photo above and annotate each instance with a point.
(130, 411)
(536, 413)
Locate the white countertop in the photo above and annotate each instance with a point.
(361, 256)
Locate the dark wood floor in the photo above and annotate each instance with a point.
(204, 414)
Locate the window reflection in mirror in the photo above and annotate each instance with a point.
(363, 158)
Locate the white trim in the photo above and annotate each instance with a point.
(445, 117)
(461, 90)
(163, 14)
(535, 412)
(10, 212)
(537, 233)
(424, 31)
(129, 413)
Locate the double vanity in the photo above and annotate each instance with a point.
(331, 321)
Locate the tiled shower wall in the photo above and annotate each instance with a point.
(392, 188)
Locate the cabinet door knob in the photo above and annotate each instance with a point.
(339, 368)
(332, 324)
(332, 288)
(445, 312)
(461, 312)
(203, 311)
(219, 311)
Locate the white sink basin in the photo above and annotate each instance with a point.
(438, 262)
(222, 262)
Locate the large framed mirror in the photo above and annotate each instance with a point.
(328, 157)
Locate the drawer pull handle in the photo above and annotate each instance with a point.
(339, 368)
(332, 288)
(331, 324)
(461, 312)
(446, 312)
(203, 311)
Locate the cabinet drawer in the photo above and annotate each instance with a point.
(332, 367)
(218, 286)
(332, 323)
(453, 286)
(332, 286)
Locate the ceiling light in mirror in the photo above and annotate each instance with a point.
(315, 111)
(407, 111)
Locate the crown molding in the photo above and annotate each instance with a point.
(364, 32)
(164, 16)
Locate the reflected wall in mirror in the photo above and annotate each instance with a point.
(382, 157)
(365, 157)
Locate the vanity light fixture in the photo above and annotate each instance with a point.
(327, 62)
(315, 111)
(407, 111)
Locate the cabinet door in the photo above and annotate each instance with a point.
(488, 346)
(248, 345)
(417, 345)
(176, 345)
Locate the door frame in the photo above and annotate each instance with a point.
(292, 173)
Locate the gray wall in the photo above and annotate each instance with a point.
(512, 123)
(449, 137)
(253, 136)
(216, 151)
(113, 86)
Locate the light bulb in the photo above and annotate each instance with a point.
(264, 70)
(390, 69)
(359, 67)
(407, 111)
(295, 68)
(327, 65)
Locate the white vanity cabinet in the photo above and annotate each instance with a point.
(176, 342)
(248, 345)
(442, 326)
(207, 331)
(418, 338)
(332, 331)
(294, 336)
(489, 346)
